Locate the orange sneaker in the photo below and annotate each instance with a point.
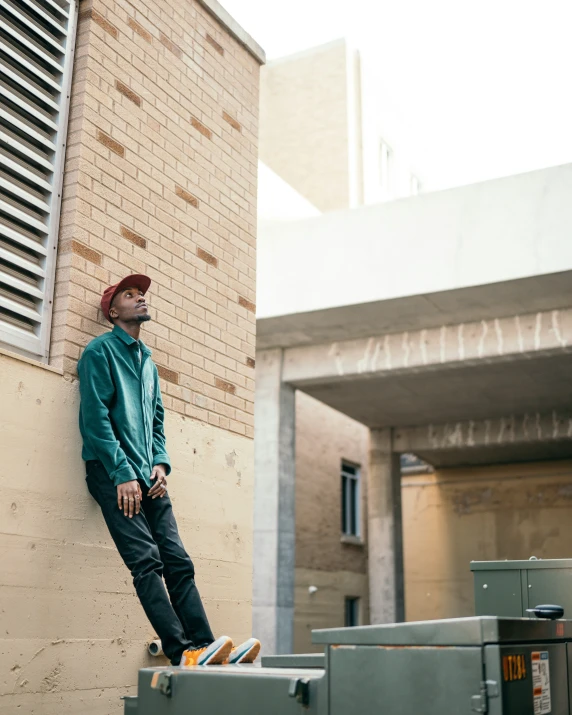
(246, 652)
(214, 654)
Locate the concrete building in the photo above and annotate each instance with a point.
(442, 324)
(156, 173)
(326, 130)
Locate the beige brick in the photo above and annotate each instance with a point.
(101, 21)
(225, 386)
(85, 252)
(249, 305)
(233, 123)
(171, 46)
(213, 43)
(110, 143)
(140, 30)
(133, 237)
(186, 196)
(200, 127)
(127, 92)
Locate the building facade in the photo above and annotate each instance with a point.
(155, 173)
(438, 326)
(326, 130)
(331, 581)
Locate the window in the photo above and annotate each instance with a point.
(351, 617)
(385, 166)
(414, 185)
(36, 56)
(350, 500)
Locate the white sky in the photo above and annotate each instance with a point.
(484, 87)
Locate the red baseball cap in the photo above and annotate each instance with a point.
(134, 281)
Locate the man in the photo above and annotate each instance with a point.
(121, 422)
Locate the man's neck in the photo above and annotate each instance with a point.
(132, 329)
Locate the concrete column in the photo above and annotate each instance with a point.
(385, 537)
(274, 503)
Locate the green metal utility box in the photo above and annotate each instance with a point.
(509, 588)
(454, 667)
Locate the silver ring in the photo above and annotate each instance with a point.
(137, 497)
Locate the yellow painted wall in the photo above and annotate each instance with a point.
(72, 632)
(325, 608)
(481, 513)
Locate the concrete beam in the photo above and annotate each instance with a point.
(274, 506)
(511, 430)
(487, 341)
(385, 540)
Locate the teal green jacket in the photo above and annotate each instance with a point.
(121, 413)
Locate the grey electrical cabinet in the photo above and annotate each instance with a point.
(453, 667)
(509, 588)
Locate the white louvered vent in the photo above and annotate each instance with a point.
(36, 56)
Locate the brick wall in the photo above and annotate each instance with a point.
(325, 437)
(161, 179)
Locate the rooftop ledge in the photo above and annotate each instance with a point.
(239, 34)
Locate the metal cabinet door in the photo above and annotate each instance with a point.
(498, 593)
(410, 680)
(550, 586)
(222, 690)
(515, 686)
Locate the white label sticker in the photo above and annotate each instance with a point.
(541, 683)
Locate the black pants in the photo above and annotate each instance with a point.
(151, 547)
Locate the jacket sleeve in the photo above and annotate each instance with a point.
(160, 455)
(96, 390)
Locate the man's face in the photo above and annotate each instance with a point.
(129, 306)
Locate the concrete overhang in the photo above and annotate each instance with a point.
(452, 306)
(452, 393)
(491, 233)
(415, 312)
(466, 372)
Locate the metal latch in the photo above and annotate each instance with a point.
(300, 689)
(489, 689)
(161, 681)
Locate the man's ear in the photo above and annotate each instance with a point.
(112, 313)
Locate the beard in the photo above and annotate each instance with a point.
(143, 318)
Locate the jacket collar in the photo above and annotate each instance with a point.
(128, 340)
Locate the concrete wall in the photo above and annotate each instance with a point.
(160, 178)
(495, 231)
(73, 632)
(325, 607)
(323, 438)
(480, 513)
(382, 122)
(305, 123)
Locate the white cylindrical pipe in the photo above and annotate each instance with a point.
(155, 648)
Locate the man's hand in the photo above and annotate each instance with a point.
(159, 489)
(129, 497)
